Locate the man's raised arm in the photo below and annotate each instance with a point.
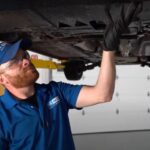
(103, 90)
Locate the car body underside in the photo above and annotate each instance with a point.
(73, 30)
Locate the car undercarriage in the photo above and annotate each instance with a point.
(74, 31)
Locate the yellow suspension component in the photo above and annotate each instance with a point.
(47, 64)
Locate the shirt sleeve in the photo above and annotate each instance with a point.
(68, 92)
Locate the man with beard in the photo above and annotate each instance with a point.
(35, 116)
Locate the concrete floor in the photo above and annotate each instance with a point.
(134, 140)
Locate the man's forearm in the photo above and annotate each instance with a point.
(106, 79)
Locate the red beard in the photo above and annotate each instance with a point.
(26, 77)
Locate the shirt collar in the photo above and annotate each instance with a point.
(8, 100)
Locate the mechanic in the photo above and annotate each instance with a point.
(35, 116)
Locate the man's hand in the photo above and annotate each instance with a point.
(115, 28)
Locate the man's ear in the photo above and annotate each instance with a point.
(3, 80)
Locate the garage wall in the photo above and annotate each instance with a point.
(124, 123)
(129, 109)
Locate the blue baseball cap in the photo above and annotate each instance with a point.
(8, 51)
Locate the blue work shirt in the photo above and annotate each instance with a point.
(46, 127)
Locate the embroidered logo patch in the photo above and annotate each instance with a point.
(53, 102)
